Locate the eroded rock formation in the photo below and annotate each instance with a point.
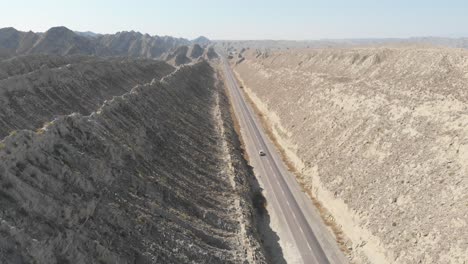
(63, 41)
(36, 88)
(153, 176)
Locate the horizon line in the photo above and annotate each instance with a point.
(247, 39)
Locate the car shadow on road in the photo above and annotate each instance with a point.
(269, 238)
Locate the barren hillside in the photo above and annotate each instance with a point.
(136, 44)
(380, 137)
(63, 41)
(36, 88)
(190, 54)
(152, 176)
(28, 63)
(178, 56)
(196, 51)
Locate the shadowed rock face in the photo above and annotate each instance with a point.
(178, 56)
(196, 51)
(28, 63)
(136, 44)
(151, 177)
(380, 136)
(211, 53)
(39, 88)
(9, 38)
(201, 41)
(187, 54)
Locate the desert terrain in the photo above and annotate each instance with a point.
(379, 136)
(138, 148)
(111, 159)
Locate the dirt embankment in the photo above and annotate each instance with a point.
(153, 176)
(380, 137)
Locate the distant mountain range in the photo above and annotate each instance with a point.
(63, 41)
(201, 40)
(338, 43)
(436, 41)
(88, 34)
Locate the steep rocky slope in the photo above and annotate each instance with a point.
(178, 56)
(188, 54)
(35, 89)
(13, 41)
(57, 41)
(153, 176)
(196, 51)
(63, 41)
(25, 64)
(136, 44)
(380, 137)
(211, 53)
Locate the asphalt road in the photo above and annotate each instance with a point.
(298, 223)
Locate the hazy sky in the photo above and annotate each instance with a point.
(245, 19)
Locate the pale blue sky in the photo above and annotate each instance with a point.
(245, 19)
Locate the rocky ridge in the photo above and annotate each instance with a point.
(63, 41)
(136, 44)
(27, 63)
(188, 54)
(124, 184)
(36, 89)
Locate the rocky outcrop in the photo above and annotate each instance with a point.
(63, 41)
(188, 54)
(12, 40)
(379, 136)
(178, 56)
(136, 44)
(151, 177)
(9, 38)
(196, 51)
(202, 40)
(211, 54)
(35, 89)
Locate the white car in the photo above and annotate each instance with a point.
(262, 153)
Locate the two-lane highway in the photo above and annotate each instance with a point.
(303, 236)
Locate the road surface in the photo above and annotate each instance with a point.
(304, 237)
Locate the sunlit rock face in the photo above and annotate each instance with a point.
(380, 136)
